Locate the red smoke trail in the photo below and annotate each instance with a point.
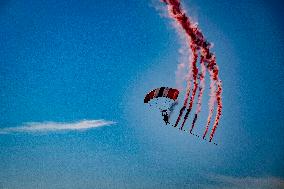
(214, 96)
(200, 94)
(197, 41)
(195, 83)
(210, 104)
(219, 108)
(188, 83)
(185, 102)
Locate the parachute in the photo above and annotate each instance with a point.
(166, 92)
(165, 99)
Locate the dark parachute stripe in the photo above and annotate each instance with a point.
(149, 96)
(161, 92)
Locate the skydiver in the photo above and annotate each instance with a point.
(166, 116)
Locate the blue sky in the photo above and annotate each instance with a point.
(68, 62)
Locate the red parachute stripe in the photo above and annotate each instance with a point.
(173, 94)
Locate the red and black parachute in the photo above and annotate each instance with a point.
(163, 98)
(162, 92)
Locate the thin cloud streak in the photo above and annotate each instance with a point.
(48, 126)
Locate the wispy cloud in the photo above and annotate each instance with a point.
(48, 126)
(229, 182)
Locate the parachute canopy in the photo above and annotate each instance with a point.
(162, 92)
